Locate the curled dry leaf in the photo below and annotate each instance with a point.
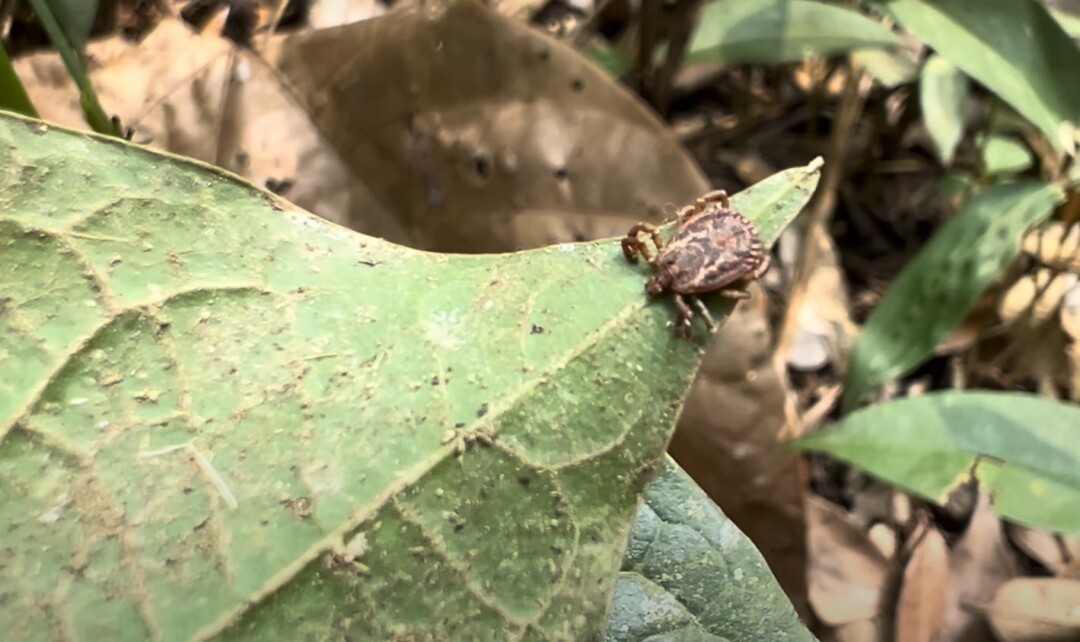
(820, 330)
(1055, 245)
(459, 119)
(1051, 550)
(848, 575)
(1037, 609)
(1020, 304)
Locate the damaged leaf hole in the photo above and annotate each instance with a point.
(481, 165)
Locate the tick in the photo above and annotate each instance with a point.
(715, 249)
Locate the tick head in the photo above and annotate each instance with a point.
(660, 281)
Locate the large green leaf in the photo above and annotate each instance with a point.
(943, 91)
(1014, 47)
(690, 574)
(1026, 450)
(937, 289)
(222, 417)
(781, 31)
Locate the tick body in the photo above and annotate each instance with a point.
(715, 249)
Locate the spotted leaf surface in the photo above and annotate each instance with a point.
(224, 418)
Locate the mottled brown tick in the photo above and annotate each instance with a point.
(715, 249)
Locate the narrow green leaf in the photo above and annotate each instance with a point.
(76, 18)
(237, 421)
(1004, 155)
(943, 91)
(937, 289)
(1069, 22)
(13, 95)
(781, 31)
(1024, 449)
(690, 574)
(1014, 47)
(95, 115)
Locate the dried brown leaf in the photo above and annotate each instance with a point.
(1052, 550)
(981, 562)
(849, 577)
(458, 118)
(1034, 609)
(199, 96)
(920, 612)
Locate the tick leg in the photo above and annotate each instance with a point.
(715, 196)
(709, 321)
(735, 294)
(685, 213)
(683, 329)
(632, 245)
(761, 269)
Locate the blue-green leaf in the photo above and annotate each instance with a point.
(936, 290)
(781, 31)
(689, 574)
(1024, 449)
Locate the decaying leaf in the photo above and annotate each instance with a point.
(479, 119)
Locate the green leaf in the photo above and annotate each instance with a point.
(13, 95)
(1003, 155)
(734, 31)
(612, 62)
(76, 17)
(690, 574)
(890, 68)
(69, 51)
(231, 419)
(934, 293)
(943, 91)
(1069, 22)
(1022, 448)
(1014, 47)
